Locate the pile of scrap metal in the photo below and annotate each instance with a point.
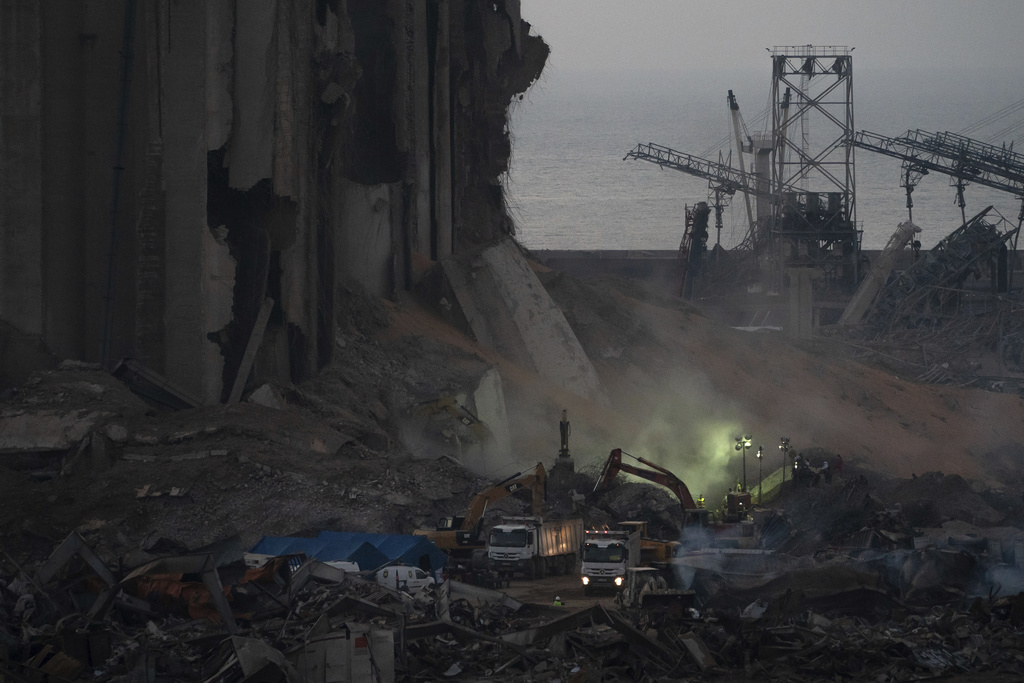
(953, 604)
(211, 616)
(932, 287)
(930, 321)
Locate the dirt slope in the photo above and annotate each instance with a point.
(693, 385)
(682, 388)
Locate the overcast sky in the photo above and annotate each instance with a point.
(623, 35)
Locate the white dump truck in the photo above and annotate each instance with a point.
(606, 557)
(534, 547)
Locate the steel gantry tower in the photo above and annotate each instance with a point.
(813, 174)
(803, 176)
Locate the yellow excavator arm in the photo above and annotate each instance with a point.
(535, 481)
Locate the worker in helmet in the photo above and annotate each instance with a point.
(700, 500)
(558, 602)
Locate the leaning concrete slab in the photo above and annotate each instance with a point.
(489, 399)
(364, 252)
(508, 309)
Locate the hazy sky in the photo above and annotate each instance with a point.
(621, 35)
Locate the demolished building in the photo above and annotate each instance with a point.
(182, 181)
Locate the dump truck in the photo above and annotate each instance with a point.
(606, 556)
(534, 547)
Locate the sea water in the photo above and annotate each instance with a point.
(568, 186)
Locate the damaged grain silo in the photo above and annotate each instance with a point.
(170, 169)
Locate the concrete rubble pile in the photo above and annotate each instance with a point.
(208, 616)
(875, 604)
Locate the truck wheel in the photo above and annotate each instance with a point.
(542, 568)
(587, 591)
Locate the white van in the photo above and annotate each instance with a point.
(408, 579)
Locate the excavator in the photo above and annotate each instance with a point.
(692, 513)
(460, 535)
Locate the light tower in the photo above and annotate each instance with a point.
(742, 444)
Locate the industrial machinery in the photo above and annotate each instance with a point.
(806, 200)
(647, 589)
(534, 547)
(607, 554)
(692, 513)
(652, 550)
(459, 536)
(965, 161)
(962, 159)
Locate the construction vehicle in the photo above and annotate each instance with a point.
(652, 550)
(534, 547)
(647, 589)
(692, 513)
(737, 506)
(459, 536)
(606, 556)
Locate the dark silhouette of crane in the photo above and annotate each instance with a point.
(723, 180)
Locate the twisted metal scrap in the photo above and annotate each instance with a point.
(932, 285)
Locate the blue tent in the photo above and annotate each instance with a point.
(278, 545)
(363, 554)
(414, 551)
(369, 551)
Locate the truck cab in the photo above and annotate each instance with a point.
(606, 557)
(512, 547)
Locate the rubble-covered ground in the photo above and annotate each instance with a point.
(354, 450)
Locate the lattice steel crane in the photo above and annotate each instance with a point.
(963, 159)
(723, 180)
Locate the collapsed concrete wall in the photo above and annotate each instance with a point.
(165, 167)
(506, 307)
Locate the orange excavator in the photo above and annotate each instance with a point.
(692, 513)
(460, 535)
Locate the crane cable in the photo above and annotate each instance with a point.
(1001, 135)
(992, 118)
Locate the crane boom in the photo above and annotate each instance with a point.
(534, 481)
(731, 179)
(953, 155)
(734, 108)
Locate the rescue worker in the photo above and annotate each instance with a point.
(700, 500)
(558, 602)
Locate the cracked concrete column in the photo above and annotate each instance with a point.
(192, 361)
(21, 236)
(442, 157)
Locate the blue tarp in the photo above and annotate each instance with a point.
(324, 549)
(414, 551)
(369, 551)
